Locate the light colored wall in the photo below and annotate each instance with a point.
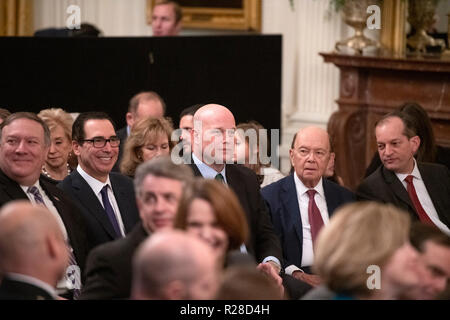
(309, 86)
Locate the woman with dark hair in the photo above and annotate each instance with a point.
(428, 150)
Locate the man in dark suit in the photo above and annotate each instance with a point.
(106, 200)
(213, 148)
(301, 203)
(24, 144)
(422, 189)
(147, 104)
(33, 251)
(159, 185)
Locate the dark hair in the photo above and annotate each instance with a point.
(409, 129)
(144, 96)
(422, 124)
(421, 233)
(86, 30)
(78, 133)
(190, 110)
(176, 8)
(30, 116)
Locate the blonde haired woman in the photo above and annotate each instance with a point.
(149, 138)
(56, 166)
(365, 239)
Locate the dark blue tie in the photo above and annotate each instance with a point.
(110, 211)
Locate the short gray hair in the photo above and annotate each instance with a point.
(162, 167)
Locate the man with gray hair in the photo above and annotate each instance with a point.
(24, 145)
(33, 252)
(159, 184)
(173, 265)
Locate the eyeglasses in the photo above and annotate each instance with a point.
(100, 142)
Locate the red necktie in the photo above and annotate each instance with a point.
(415, 200)
(315, 219)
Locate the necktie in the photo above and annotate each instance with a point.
(73, 274)
(37, 195)
(219, 177)
(110, 212)
(415, 200)
(315, 219)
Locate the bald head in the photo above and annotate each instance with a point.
(310, 154)
(31, 241)
(174, 265)
(213, 135)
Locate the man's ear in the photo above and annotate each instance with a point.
(415, 143)
(75, 148)
(130, 119)
(291, 156)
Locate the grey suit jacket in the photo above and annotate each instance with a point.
(384, 186)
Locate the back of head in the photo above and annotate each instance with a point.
(25, 234)
(246, 283)
(359, 235)
(419, 119)
(170, 264)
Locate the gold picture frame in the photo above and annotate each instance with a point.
(244, 16)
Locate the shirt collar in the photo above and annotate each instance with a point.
(206, 171)
(415, 173)
(36, 184)
(302, 189)
(95, 184)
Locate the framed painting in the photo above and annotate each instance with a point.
(218, 14)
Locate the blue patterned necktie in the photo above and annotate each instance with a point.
(110, 211)
(73, 271)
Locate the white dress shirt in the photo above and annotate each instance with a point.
(424, 197)
(97, 187)
(209, 173)
(48, 203)
(303, 203)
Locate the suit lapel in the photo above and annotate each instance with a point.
(397, 187)
(121, 194)
(330, 196)
(83, 192)
(290, 203)
(233, 181)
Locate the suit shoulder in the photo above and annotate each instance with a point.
(338, 188)
(116, 176)
(109, 250)
(275, 185)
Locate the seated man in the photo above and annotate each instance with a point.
(301, 203)
(172, 265)
(34, 254)
(422, 189)
(159, 184)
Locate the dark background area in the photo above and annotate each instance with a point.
(242, 72)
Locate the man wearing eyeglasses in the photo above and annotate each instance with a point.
(301, 204)
(106, 199)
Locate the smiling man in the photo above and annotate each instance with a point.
(159, 184)
(422, 189)
(24, 144)
(302, 203)
(106, 199)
